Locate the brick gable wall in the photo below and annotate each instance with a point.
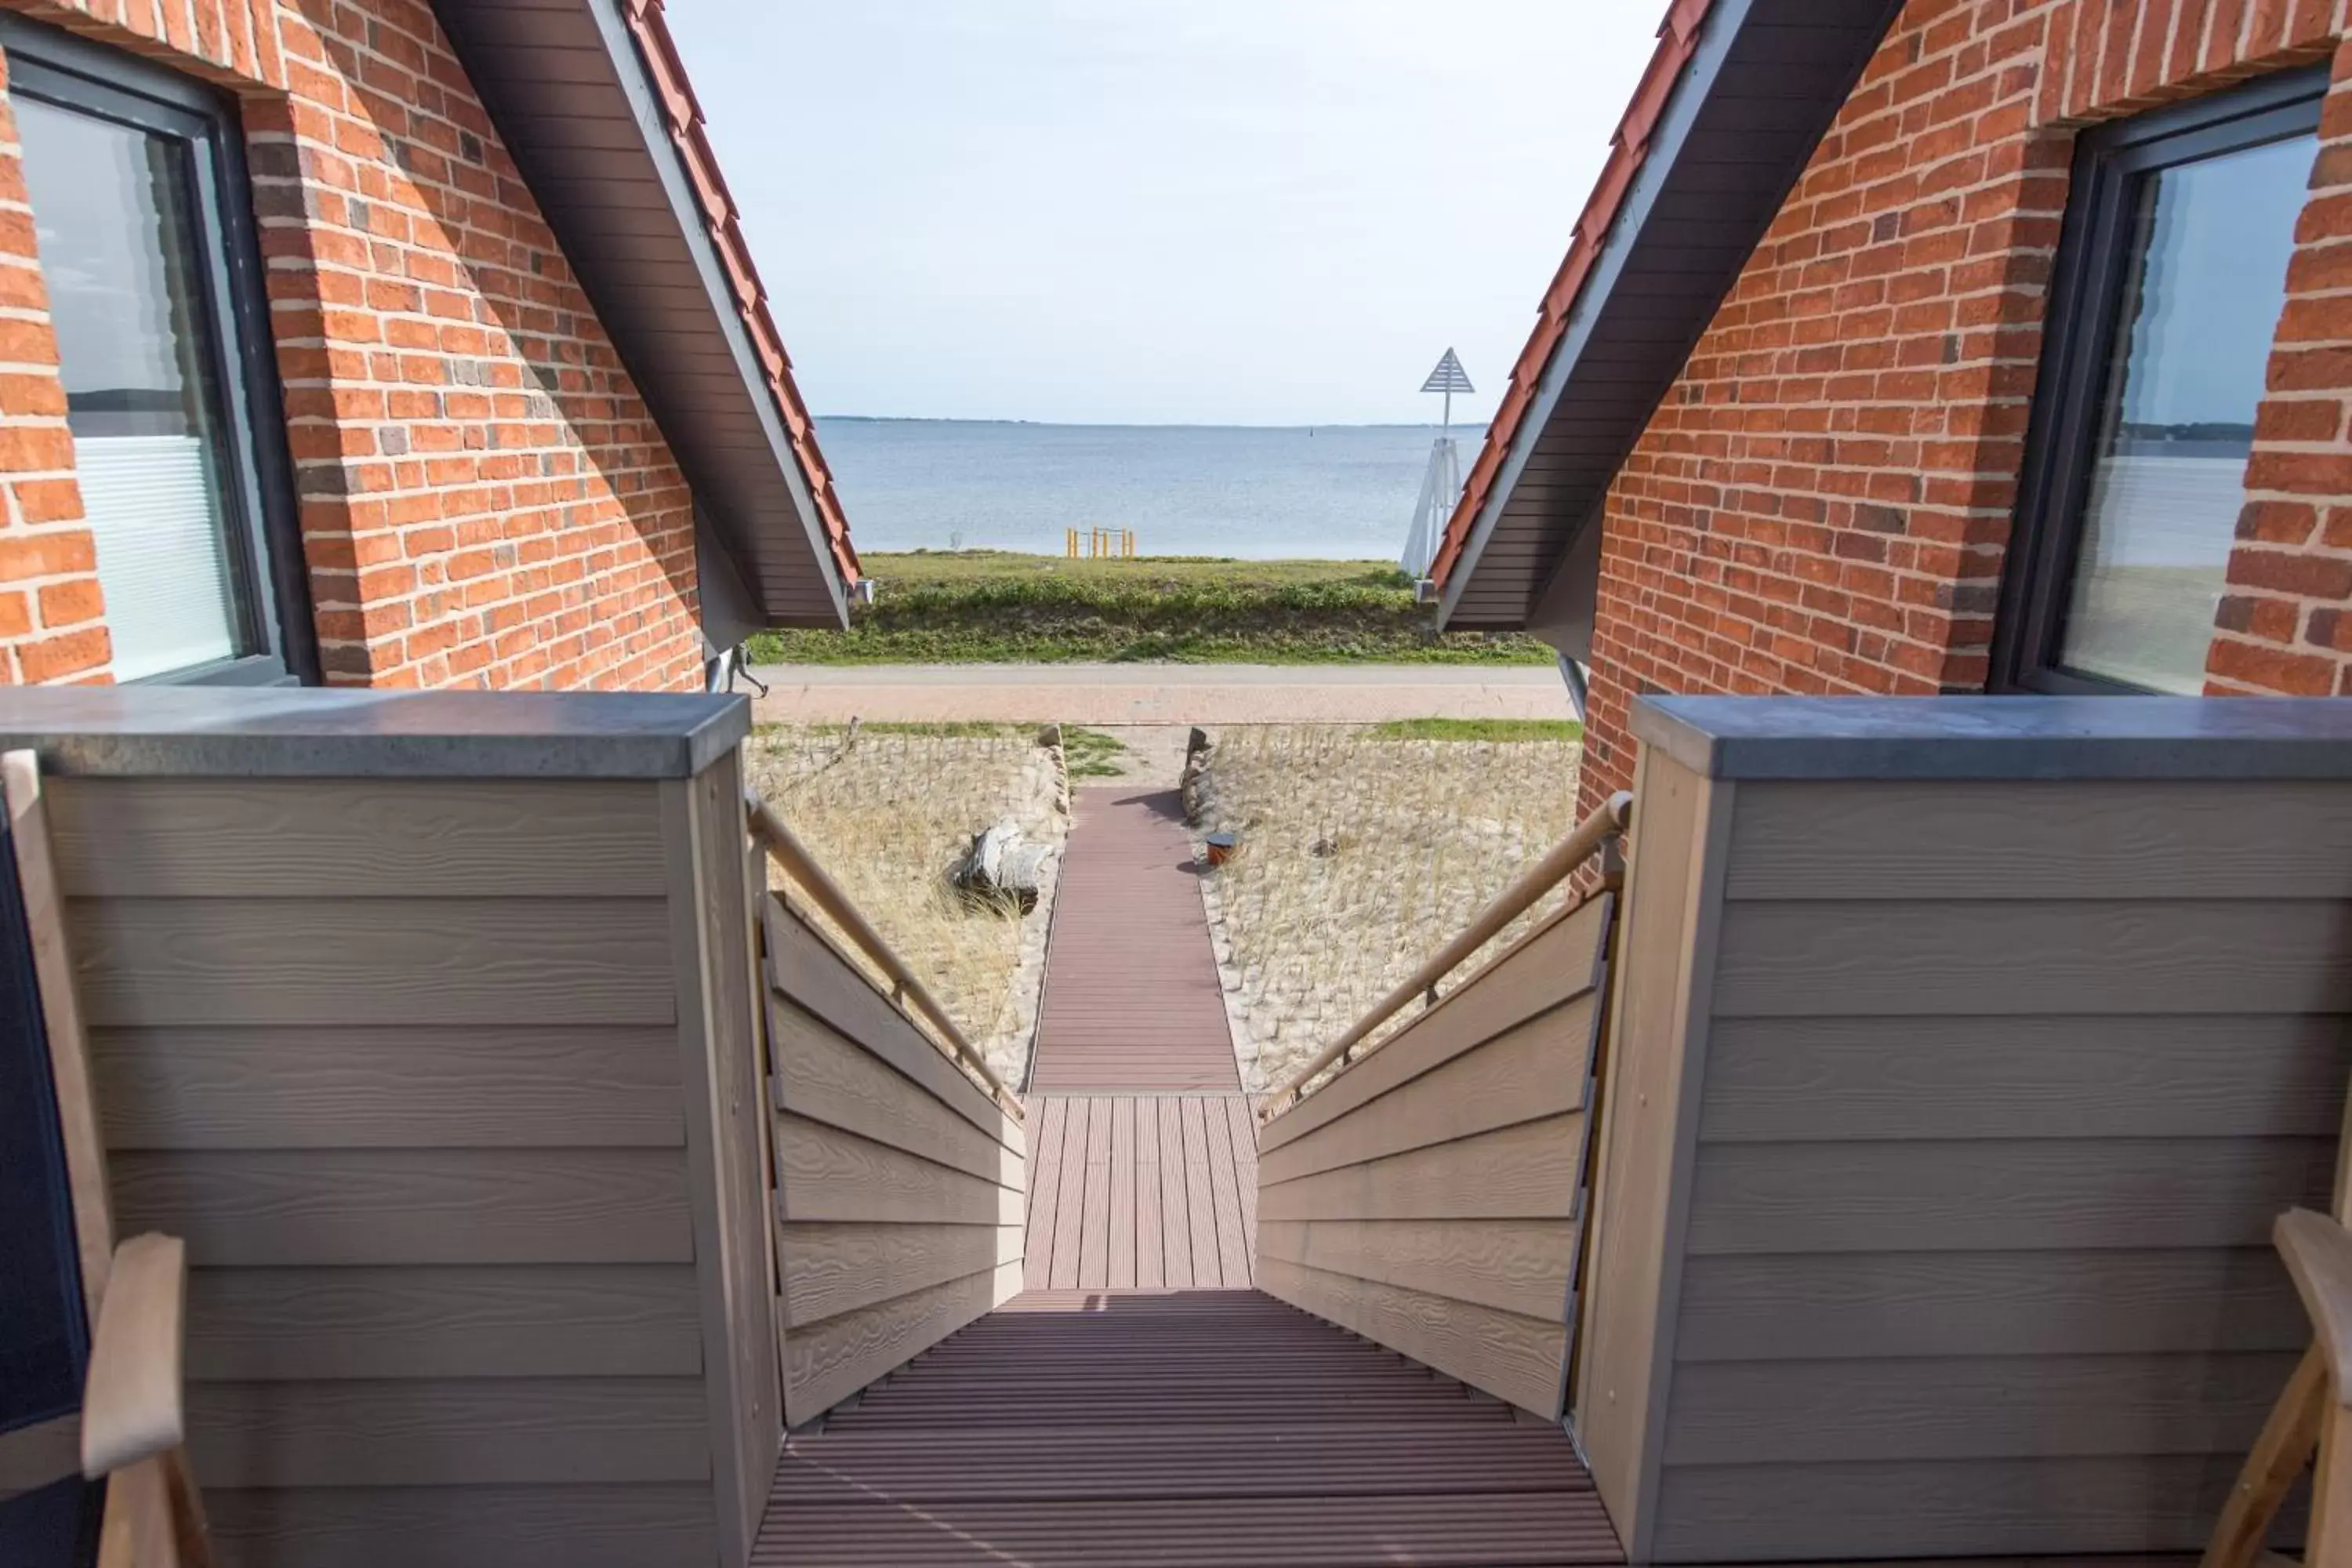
(484, 499)
(1822, 502)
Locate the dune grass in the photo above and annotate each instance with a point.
(1497, 730)
(1360, 855)
(886, 810)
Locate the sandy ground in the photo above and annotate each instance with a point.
(1112, 694)
(1359, 859)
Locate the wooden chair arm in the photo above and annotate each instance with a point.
(132, 1406)
(2317, 1250)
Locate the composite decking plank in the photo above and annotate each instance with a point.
(1200, 1199)
(1224, 1191)
(1094, 1237)
(1175, 1220)
(1123, 1194)
(1070, 1212)
(1044, 1192)
(1244, 1132)
(1151, 1258)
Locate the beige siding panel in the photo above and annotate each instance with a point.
(493, 1320)
(2167, 840)
(1643, 1122)
(1538, 1069)
(829, 1174)
(723, 1075)
(1814, 1306)
(1995, 957)
(1514, 1358)
(1800, 1080)
(320, 1087)
(448, 838)
(411, 1206)
(1556, 962)
(1971, 1407)
(607, 1526)
(825, 1078)
(467, 1433)
(804, 968)
(834, 1268)
(333, 961)
(1990, 1196)
(1936, 1507)
(1528, 1172)
(827, 1363)
(1512, 1265)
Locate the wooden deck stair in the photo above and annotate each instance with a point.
(1177, 1428)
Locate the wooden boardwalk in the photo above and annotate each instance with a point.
(1131, 996)
(1164, 1429)
(1141, 1192)
(1138, 1404)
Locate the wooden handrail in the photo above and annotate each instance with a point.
(1585, 840)
(787, 852)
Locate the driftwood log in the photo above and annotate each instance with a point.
(1196, 762)
(1002, 864)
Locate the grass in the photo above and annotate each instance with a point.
(1092, 753)
(885, 809)
(1361, 854)
(989, 607)
(1506, 731)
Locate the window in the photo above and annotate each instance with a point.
(2171, 276)
(154, 282)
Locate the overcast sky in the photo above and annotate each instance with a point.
(1158, 211)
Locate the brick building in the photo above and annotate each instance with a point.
(1956, 345)
(384, 343)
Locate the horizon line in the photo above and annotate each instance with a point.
(1143, 424)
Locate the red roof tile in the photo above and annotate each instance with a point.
(1677, 40)
(682, 116)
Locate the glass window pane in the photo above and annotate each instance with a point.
(2167, 474)
(111, 205)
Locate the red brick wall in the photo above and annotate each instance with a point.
(484, 499)
(1822, 502)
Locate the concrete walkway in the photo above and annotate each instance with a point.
(1157, 693)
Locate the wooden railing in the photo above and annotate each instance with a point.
(787, 851)
(1587, 839)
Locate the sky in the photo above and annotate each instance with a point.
(1249, 212)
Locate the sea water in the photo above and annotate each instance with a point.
(1330, 492)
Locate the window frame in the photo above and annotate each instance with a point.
(263, 531)
(2093, 269)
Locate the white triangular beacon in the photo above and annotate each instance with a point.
(1448, 378)
(1444, 480)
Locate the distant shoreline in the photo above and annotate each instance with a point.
(1463, 428)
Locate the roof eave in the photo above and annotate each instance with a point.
(1674, 103)
(809, 562)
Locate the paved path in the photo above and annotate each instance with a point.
(1157, 693)
(1131, 997)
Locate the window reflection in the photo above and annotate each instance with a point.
(112, 207)
(2167, 474)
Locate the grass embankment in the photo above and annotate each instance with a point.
(973, 606)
